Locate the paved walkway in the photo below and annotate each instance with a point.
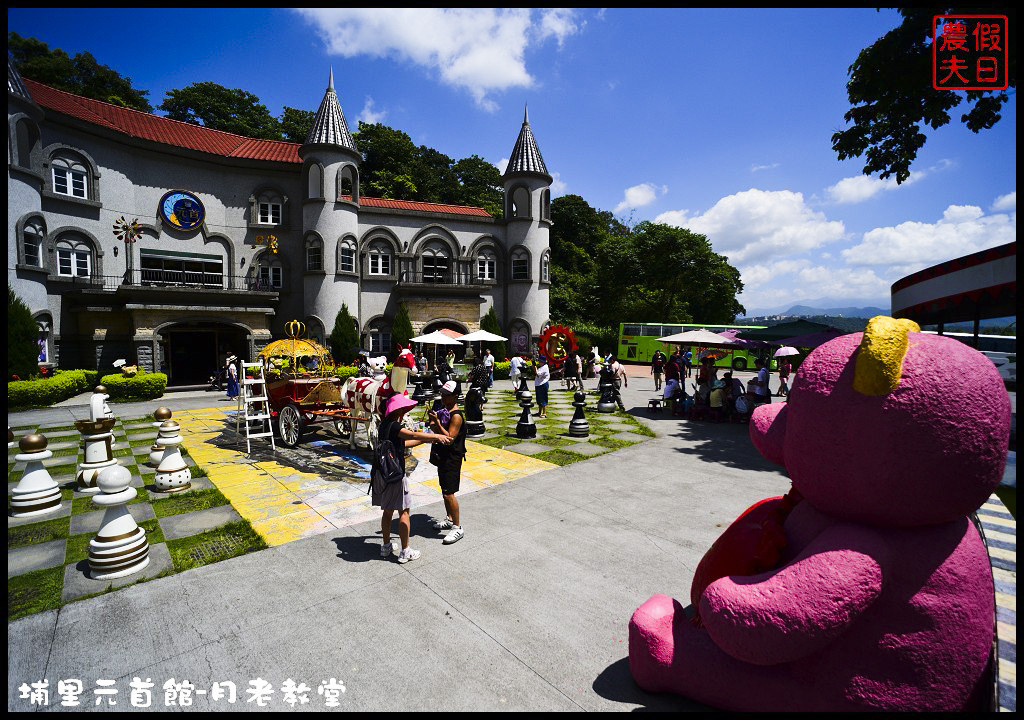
(528, 612)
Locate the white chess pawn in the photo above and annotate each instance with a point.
(172, 474)
(98, 407)
(156, 452)
(99, 453)
(37, 493)
(120, 547)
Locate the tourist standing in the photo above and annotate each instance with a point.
(688, 363)
(619, 374)
(784, 370)
(541, 383)
(421, 363)
(232, 371)
(515, 369)
(489, 364)
(657, 367)
(579, 371)
(761, 393)
(451, 423)
(394, 497)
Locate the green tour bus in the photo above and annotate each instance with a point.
(639, 341)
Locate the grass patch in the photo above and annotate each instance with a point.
(197, 471)
(554, 441)
(83, 505)
(187, 502)
(560, 457)
(143, 442)
(78, 545)
(500, 441)
(232, 540)
(610, 442)
(34, 592)
(40, 532)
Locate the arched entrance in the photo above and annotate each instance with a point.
(456, 329)
(192, 351)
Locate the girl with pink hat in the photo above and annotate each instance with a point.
(395, 496)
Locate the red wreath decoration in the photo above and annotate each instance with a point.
(556, 343)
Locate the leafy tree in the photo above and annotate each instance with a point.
(81, 75)
(891, 96)
(384, 150)
(22, 338)
(490, 323)
(344, 338)
(296, 124)
(401, 328)
(433, 176)
(386, 184)
(220, 108)
(479, 185)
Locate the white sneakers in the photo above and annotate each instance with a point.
(386, 549)
(445, 524)
(408, 554)
(454, 536)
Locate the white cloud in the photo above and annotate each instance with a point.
(1005, 203)
(757, 168)
(369, 115)
(558, 186)
(910, 246)
(790, 281)
(639, 196)
(478, 49)
(863, 187)
(759, 224)
(501, 165)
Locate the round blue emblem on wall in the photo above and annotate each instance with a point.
(182, 210)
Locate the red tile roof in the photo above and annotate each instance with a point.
(165, 131)
(134, 123)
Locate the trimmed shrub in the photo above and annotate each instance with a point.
(22, 334)
(502, 370)
(144, 386)
(43, 393)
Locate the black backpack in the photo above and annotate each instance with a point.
(386, 468)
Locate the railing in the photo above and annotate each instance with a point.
(171, 279)
(439, 277)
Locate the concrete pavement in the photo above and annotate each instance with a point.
(528, 612)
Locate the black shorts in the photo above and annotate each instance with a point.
(449, 476)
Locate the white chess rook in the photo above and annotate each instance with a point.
(99, 453)
(172, 474)
(37, 493)
(156, 452)
(120, 547)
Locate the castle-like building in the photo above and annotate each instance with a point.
(168, 244)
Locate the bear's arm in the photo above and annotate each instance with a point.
(791, 612)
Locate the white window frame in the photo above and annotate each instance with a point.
(486, 266)
(379, 261)
(73, 183)
(71, 261)
(269, 213)
(520, 261)
(32, 237)
(314, 255)
(545, 268)
(347, 258)
(271, 276)
(380, 340)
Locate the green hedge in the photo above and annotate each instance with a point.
(144, 386)
(49, 391)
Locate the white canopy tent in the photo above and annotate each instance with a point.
(700, 338)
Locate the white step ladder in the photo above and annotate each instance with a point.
(253, 404)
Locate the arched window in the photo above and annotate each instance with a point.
(437, 263)
(314, 185)
(27, 138)
(545, 266)
(269, 272)
(45, 325)
(519, 337)
(379, 259)
(520, 264)
(70, 175)
(314, 254)
(486, 265)
(347, 256)
(74, 256)
(348, 184)
(545, 205)
(380, 336)
(268, 207)
(32, 242)
(521, 203)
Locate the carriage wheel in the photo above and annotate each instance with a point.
(343, 428)
(289, 425)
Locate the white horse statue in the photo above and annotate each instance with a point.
(367, 398)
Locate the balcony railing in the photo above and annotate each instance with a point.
(440, 277)
(172, 279)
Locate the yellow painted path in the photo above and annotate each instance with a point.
(284, 504)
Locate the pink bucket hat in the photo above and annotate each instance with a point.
(399, 402)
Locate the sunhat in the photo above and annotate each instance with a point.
(449, 388)
(399, 402)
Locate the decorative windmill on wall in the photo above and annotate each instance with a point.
(127, 232)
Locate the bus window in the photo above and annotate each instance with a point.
(652, 331)
(631, 330)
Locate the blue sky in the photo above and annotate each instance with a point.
(716, 120)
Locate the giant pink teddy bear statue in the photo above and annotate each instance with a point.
(883, 599)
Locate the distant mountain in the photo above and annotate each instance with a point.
(824, 306)
(857, 312)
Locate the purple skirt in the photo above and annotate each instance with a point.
(394, 496)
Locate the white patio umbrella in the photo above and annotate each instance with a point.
(435, 338)
(481, 336)
(701, 338)
(784, 351)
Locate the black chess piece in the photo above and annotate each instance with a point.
(606, 387)
(475, 400)
(526, 428)
(578, 426)
(524, 389)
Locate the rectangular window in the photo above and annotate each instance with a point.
(73, 263)
(69, 182)
(485, 269)
(270, 214)
(32, 251)
(380, 264)
(348, 260)
(544, 271)
(181, 270)
(435, 269)
(270, 277)
(380, 341)
(520, 268)
(314, 258)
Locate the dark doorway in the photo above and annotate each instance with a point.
(192, 353)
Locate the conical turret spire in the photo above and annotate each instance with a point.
(526, 155)
(329, 125)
